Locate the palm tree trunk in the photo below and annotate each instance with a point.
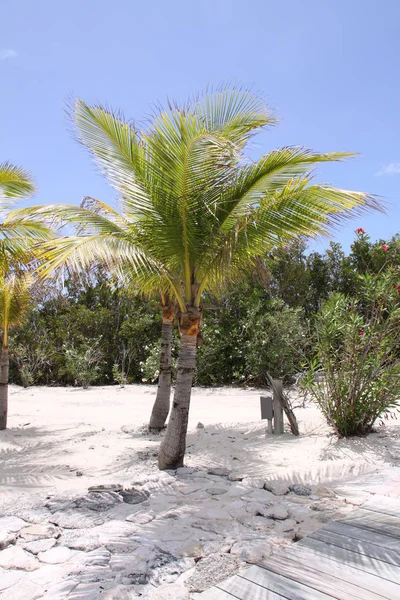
(4, 364)
(173, 445)
(161, 405)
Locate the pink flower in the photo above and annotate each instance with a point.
(361, 332)
(360, 230)
(385, 247)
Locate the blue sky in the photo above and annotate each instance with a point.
(328, 68)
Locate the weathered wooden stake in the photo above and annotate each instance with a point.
(278, 411)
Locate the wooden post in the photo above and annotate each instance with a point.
(267, 411)
(278, 410)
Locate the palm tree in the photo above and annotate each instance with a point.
(15, 295)
(19, 239)
(196, 212)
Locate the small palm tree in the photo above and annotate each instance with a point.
(15, 295)
(195, 210)
(19, 242)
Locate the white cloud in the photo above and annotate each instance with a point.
(7, 53)
(390, 169)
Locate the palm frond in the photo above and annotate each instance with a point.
(15, 183)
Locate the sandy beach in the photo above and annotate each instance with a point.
(232, 500)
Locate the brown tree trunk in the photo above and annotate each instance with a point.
(173, 445)
(4, 364)
(161, 405)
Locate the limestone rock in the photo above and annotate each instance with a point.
(106, 487)
(36, 515)
(253, 551)
(39, 545)
(275, 512)
(39, 532)
(7, 538)
(200, 425)
(170, 592)
(286, 526)
(324, 492)
(220, 471)
(141, 518)
(55, 556)
(235, 476)
(11, 524)
(134, 496)
(300, 490)
(216, 491)
(80, 539)
(253, 482)
(24, 589)
(211, 570)
(75, 519)
(98, 501)
(277, 488)
(14, 557)
(10, 578)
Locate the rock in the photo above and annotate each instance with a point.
(39, 532)
(170, 592)
(199, 425)
(300, 490)
(253, 482)
(185, 471)
(286, 526)
(211, 570)
(253, 551)
(98, 501)
(306, 528)
(47, 574)
(14, 557)
(96, 558)
(75, 519)
(11, 524)
(106, 487)
(218, 526)
(79, 473)
(220, 471)
(80, 539)
(39, 545)
(276, 512)
(134, 496)
(215, 491)
(140, 518)
(191, 548)
(235, 476)
(276, 488)
(24, 589)
(62, 590)
(55, 556)
(37, 515)
(324, 492)
(186, 490)
(9, 579)
(7, 538)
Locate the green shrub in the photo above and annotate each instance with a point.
(83, 364)
(358, 355)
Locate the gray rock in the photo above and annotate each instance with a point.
(96, 558)
(277, 512)
(236, 476)
(220, 471)
(36, 515)
(215, 491)
(9, 579)
(80, 539)
(185, 471)
(253, 482)
(277, 488)
(141, 518)
(211, 570)
(134, 496)
(11, 524)
(39, 545)
(56, 556)
(75, 519)
(300, 490)
(39, 532)
(199, 425)
(253, 551)
(106, 487)
(98, 501)
(324, 492)
(7, 538)
(14, 557)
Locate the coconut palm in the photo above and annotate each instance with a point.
(15, 295)
(195, 211)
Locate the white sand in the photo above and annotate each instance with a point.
(62, 440)
(53, 432)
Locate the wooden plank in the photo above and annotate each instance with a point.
(361, 534)
(373, 521)
(383, 504)
(245, 589)
(356, 545)
(345, 556)
(286, 588)
(372, 583)
(328, 584)
(215, 594)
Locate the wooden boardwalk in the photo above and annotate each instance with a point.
(355, 558)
